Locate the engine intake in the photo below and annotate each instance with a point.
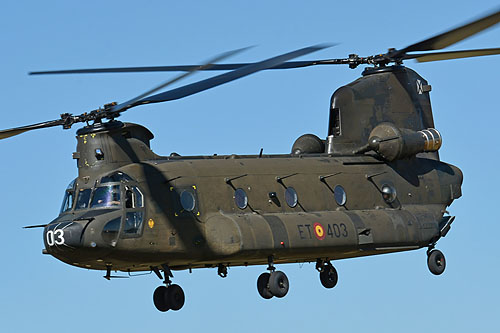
(393, 143)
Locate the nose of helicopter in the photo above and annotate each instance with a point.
(73, 238)
(64, 234)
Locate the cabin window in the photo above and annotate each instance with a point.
(291, 197)
(185, 200)
(240, 198)
(340, 195)
(82, 201)
(188, 201)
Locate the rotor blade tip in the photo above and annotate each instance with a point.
(324, 45)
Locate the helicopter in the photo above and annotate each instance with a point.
(375, 185)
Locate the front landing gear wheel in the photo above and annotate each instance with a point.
(168, 298)
(263, 286)
(159, 299)
(278, 284)
(436, 262)
(328, 276)
(174, 297)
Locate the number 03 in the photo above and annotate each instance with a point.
(55, 237)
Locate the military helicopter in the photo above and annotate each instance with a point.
(374, 185)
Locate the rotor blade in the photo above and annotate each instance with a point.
(179, 68)
(199, 86)
(206, 65)
(436, 56)
(453, 36)
(19, 130)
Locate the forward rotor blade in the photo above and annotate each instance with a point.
(19, 130)
(436, 56)
(453, 36)
(194, 69)
(180, 68)
(199, 86)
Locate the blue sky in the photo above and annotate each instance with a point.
(270, 109)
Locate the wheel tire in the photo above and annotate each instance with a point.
(175, 297)
(262, 286)
(159, 299)
(436, 262)
(278, 284)
(329, 276)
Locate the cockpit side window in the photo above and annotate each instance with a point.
(133, 197)
(129, 198)
(134, 214)
(139, 201)
(67, 201)
(106, 196)
(133, 224)
(69, 196)
(82, 201)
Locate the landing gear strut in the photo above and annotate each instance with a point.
(169, 297)
(435, 261)
(327, 273)
(222, 270)
(274, 283)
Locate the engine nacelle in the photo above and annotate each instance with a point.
(393, 143)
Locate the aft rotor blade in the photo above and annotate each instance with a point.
(179, 68)
(19, 130)
(436, 56)
(194, 69)
(218, 80)
(453, 36)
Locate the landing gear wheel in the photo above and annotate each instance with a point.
(328, 276)
(436, 262)
(262, 286)
(174, 297)
(159, 299)
(278, 284)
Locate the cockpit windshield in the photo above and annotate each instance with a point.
(106, 196)
(82, 202)
(107, 193)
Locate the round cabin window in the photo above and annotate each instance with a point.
(291, 197)
(187, 201)
(240, 198)
(340, 196)
(388, 193)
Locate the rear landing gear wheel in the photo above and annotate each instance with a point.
(436, 262)
(278, 284)
(328, 276)
(263, 286)
(159, 299)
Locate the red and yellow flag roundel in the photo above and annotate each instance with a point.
(319, 231)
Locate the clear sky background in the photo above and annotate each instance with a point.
(389, 293)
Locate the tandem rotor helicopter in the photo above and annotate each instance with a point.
(374, 185)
